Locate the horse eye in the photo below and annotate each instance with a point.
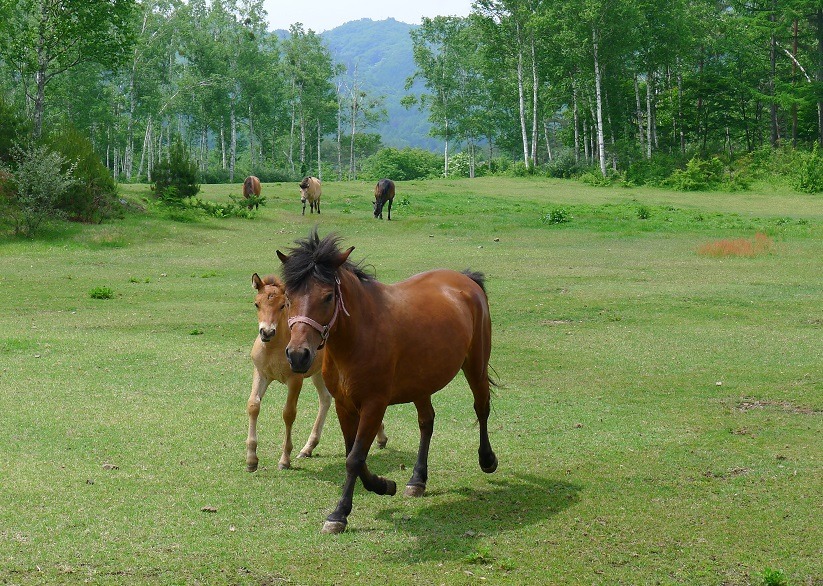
(328, 298)
(257, 305)
(282, 307)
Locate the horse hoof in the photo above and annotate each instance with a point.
(382, 445)
(391, 487)
(414, 490)
(304, 455)
(333, 527)
(282, 466)
(491, 467)
(251, 467)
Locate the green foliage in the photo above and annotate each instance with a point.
(175, 175)
(402, 165)
(772, 577)
(643, 212)
(101, 293)
(556, 216)
(39, 179)
(809, 175)
(14, 128)
(93, 195)
(238, 208)
(699, 175)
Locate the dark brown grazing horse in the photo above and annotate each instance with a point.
(383, 192)
(385, 344)
(251, 187)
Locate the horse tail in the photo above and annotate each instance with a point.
(477, 277)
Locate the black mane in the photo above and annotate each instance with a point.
(313, 258)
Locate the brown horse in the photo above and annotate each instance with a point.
(310, 190)
(385, 344)
(383, 192)
(269, 358)
(251, 187)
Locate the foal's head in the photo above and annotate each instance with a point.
(271, 304)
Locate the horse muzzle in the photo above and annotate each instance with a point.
(266, 334)
(300, 359)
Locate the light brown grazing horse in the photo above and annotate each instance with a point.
(385, 344)
(269, 357)
(383, 192)
(310, 190)
(251, 187)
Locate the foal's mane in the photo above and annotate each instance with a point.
(316, 258)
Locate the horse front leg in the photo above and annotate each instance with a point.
(324, 402)
(366, 423)
(293, 384)
(425, 419)
(390, 209)
(258, 389)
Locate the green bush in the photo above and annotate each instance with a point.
(402, 165)
(93, 196)
(39, 179)
(556, 216)
(809, 175)
(175, 175)
(698, 175)
(101, 293)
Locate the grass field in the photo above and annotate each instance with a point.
(659, 421)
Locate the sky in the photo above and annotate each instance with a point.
(322, 15)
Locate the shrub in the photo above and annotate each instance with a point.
(809, 175)
(101, 293)
(93, 195)
(14, 127)
(175, 175)
(698, 175)
(40, 179)
(556, 216)
(402, 165)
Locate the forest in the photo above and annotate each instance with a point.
(693, 92)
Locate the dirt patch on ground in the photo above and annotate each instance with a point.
(749, 404)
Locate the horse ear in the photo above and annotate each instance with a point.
(344, 256)
(256, 281)
(283, 258)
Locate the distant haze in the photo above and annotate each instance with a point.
(323, 15)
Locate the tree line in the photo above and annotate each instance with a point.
(608, 85)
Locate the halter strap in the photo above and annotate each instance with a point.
(324, 330)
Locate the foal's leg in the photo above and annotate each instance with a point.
(366, 425)
(294, 384)
(324, 400)
(425, 419)
(258, 389)
(382, 438)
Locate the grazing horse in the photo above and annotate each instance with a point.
(251, 187)
(383, 345)
(269, 358)
(310, 190)
(383, 192)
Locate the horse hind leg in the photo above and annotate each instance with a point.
(382, 438)
(425, 419)
(324, 402)
(480, 383)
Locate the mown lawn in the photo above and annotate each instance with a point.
(659, 419)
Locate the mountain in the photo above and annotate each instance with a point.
(382, 52)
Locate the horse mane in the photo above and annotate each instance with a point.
(316, 258)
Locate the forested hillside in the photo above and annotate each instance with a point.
(380, 52)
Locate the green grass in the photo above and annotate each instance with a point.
(659, 420)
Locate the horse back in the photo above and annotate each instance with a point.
(310, 188)
(384, 189)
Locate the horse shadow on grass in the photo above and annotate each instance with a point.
(451, 523)
(452, 527)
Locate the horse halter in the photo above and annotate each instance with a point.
(324, 330)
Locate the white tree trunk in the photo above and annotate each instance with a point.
(599, 102)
